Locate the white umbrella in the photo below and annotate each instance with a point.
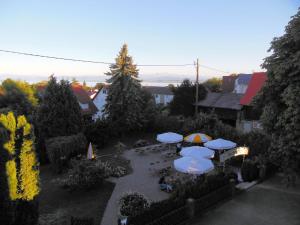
(169, 138)
(220, 144)
(193, 166)
(197, 152)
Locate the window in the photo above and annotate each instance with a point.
(84, 105)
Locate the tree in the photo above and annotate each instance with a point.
(124, 102)
(280, 98)
(19, 173)
(184, 98)
(59, 113)
(213, 84)
(19, 96)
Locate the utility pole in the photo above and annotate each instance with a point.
(197, 87)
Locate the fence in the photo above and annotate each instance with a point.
(195, 206)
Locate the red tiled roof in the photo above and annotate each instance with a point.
(83, 97)
(256, 83)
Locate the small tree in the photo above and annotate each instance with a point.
(213, 84)
(280, 98)
(59, 114)
(19, 96)
(19, 174)
(184, 98)
(124, 103)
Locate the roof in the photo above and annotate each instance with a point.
(228, 83)
(105, 86)
(159, 90)
(83, 97)
(222, 100)
(255, 85)
(244, 79)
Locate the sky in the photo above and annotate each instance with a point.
(230, 35)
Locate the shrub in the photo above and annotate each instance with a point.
(132, 204)
(249, 171)
(61, 149)
(84, 175)
(200, 187)
(164, 123)
(99, 132)
(157, 210)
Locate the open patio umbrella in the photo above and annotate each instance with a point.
(197, 138)
(197, 152)
(169, 138)
(220, 144)
(193, 166)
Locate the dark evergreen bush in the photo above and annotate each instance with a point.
(99, 132)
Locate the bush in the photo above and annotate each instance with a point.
(132, 204)
(249, 171)
(200, 187)
(99, 132)
(61, 149)
(164, 123)
(84, 175)
(157, 210)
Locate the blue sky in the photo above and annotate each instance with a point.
(231, 35)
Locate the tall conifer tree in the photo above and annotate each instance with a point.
(124, 107)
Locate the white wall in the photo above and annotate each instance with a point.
(163, 99)
(240, 88)
(100, 102)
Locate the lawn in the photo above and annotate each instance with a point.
(57, 205)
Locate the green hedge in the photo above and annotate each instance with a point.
(61, 149)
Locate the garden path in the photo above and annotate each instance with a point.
(141, 180)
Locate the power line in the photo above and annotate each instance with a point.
(107, 63)
(54, 57)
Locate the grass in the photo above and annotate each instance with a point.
(58, 205)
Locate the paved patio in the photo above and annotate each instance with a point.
(268, 203)
(141, 180)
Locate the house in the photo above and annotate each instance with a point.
(88, 108)
(99, 99)
(228, 83)
(250, 115)
(162, 95)
(241, 83)
(226, 105)
(236, 108)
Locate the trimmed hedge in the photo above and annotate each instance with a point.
(61, 149)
